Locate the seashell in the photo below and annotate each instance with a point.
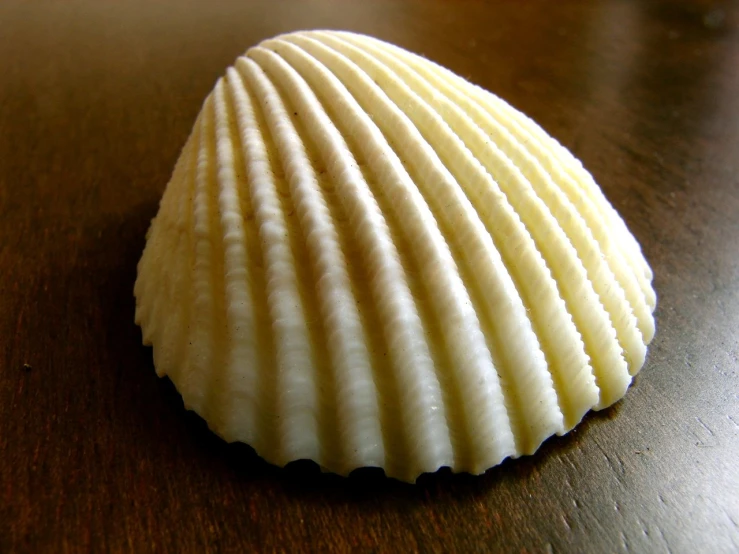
(363, 259)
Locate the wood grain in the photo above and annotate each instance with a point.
(98, 455)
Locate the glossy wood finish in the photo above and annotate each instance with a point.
(97, 454)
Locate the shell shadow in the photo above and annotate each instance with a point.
(304, 479)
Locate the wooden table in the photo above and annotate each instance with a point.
(97, 454)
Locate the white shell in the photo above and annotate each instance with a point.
(364, 260)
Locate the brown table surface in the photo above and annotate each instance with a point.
(97, 454)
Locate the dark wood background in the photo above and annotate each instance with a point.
(97, 454)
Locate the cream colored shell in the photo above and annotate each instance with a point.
(364, 260)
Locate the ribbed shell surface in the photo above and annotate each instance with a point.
(363, 259)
